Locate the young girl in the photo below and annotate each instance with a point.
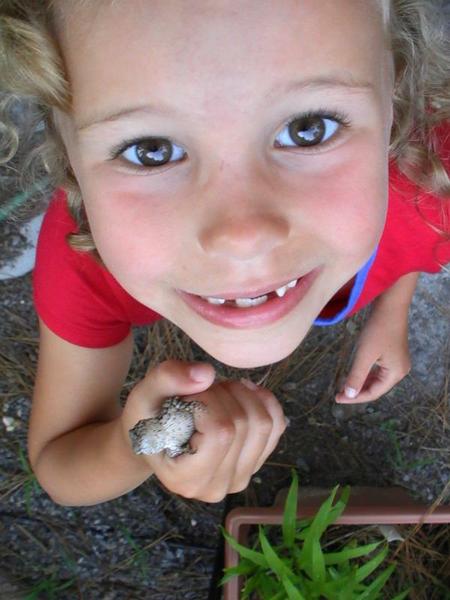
(244, 169)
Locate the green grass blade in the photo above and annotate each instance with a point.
(314, 532)
(251, 584)
(277, 565)
(292, 592)
(337, 510)
(317, 563)
(243, 568)
(336, 558)
(290, 513)
(342, 587)
(255, 557)
(372, 591)
(370, 566)
(402, 594)
(267, 587)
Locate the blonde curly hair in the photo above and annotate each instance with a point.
(32, 71)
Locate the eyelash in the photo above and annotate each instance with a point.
(339, 117)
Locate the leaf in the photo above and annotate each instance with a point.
(340, 505)
(402, 594)
(292, 592)
(342, 587)
(368, 568)
(277, 565)
(243, 568)
(290, 512)
(317, 563)
(255, 557)
(314, 532)
(267, 586)
(251, 584)
(377, 584)
(336, 558)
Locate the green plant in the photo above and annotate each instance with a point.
(51, 587)
(398, 460)
(140, 556)
(299, 569)
(30, 483)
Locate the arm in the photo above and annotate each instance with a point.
(77, 446)
(382, 354)
(399, 296)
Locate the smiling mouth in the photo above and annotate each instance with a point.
(246, 302)
(251, 312)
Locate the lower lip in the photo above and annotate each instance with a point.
(256, 316)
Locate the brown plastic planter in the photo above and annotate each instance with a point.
(366, 506)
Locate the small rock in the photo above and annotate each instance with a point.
(289, 386)
(351, 327)
(10, 423)
(302, 465)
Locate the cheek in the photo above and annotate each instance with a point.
(136, 236)
(349, 207)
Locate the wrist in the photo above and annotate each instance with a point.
(397, 299)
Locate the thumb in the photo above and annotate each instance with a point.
(169, 378)
(356, 378)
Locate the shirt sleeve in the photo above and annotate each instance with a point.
(71, 292)
(416, 236)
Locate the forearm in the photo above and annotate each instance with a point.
(89, 465)
(398, 297)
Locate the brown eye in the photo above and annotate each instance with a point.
(150, 152)
(310, 129)
(154, 152)
(307, 131)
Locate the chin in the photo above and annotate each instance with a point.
(252, 358)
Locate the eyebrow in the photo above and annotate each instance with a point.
(343, 82)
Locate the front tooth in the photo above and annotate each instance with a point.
(280, 292)
(215, 300)
(245, 302)
(292, 283)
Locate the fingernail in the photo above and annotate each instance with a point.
(249, 384)
(350, 392)
(198, 372)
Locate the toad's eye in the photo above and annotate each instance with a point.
(152, 152)
(308, 130)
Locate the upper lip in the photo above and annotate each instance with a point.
(254, 293)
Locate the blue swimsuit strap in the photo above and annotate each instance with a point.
(358, 286)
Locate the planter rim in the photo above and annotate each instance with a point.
(366, 506)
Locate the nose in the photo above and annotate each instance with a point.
(244, 237)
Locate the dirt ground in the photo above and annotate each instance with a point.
(151, 543)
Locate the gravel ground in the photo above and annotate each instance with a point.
(111, 552)
(151, 543)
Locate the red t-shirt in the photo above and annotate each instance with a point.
(81, 301)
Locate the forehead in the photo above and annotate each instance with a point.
(213, 49)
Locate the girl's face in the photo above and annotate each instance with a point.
(244, 202)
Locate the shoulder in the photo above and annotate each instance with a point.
(71, 291)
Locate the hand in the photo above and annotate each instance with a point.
(235, 435)
(382, 356)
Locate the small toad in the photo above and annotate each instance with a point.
(171, 430)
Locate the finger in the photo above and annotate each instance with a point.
(207, 474)
(379, 381)
(169, 378)
(279, 421)
(236, 401)
(359, 372)
(260, 426)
